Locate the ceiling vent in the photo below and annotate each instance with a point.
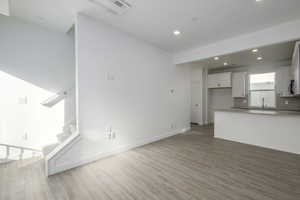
(117, 7)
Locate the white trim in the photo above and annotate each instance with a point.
(76, 76)
(123, 148)
(59, 148)
(206, 96)
(185, 129)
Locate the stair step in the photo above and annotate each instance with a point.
(63, 136)
(47, 149)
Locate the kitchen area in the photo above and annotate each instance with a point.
(253, 97)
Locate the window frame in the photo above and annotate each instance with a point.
(264, 90)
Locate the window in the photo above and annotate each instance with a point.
(262, 90)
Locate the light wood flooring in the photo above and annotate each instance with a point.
(188, 166)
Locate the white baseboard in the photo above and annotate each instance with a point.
(185, 129)
(123, 148)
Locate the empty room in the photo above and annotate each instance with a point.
(139, 99)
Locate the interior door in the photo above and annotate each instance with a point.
(196, 106)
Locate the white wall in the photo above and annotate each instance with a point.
(125, 84)
(70, 106)
(39, 56)
(276, 34)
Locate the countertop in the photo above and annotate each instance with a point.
(262, 112)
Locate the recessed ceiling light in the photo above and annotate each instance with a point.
(254, 50)
(259, 58)
(225, 63)
(176, 32)
(258, 0)
(216, 58)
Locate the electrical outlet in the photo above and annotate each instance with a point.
(25, 136)
(109, 135)
(113, 135)
(173, 126)
(286, 102)
(108, 129)
(110, 77)
(245, 101)
(108, 132)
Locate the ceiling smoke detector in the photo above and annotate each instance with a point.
(117, 7)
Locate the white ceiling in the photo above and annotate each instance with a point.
(276, 53)
(200, 21)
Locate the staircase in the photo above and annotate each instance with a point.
(68, 130)
(9, 153)
(66, 139)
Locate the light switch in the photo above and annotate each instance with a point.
(110, 77)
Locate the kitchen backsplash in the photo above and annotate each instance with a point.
(240, 102)
(281, 103)
(288, 103)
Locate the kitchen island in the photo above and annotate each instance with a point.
(279, 130)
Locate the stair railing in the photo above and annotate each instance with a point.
(22, 149)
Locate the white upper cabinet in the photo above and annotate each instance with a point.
(239, 84)
(212, 81)
(219, 80)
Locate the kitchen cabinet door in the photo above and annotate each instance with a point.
(219, 80)
(212, 80)
(239, 84)
(224, 80)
